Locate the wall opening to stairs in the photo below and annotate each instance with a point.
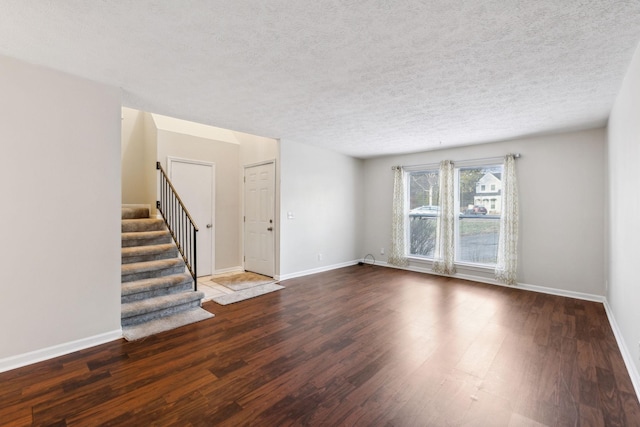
(148, 138)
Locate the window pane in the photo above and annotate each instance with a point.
(424, 189)
(423, 235)
(424, 208)
(480, 190)
(479, 239)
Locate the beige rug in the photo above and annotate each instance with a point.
(162, 324)
(244, 286)
(242, 281)
(248, 293)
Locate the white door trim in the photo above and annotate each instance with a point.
(264, 162)
(170, 160)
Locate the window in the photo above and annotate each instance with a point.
(478, 229)
(493, 187)
(424, 207)
(477, 225)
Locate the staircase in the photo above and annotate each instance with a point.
(157, 293)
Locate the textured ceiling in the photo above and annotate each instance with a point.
(362, 77)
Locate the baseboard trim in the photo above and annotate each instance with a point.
(523, 286)
(560, 292)
(316, 270)
(626, 354)
(237, 269)
(20, 360)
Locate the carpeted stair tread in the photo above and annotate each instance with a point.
(133, 254)
(146, 285)
(142, 224)
(136, 332)
(140, 267)
(131, 212)
(136, 308)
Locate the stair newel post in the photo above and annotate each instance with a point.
(158, 202)
(195, 272)
(185, 233)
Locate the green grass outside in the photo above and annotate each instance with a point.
(475, 226)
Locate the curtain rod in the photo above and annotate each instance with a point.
(496, 158)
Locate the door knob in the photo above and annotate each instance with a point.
(209, 225)
(270, 229)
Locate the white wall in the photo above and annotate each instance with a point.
(560, 248)
(624, 213)
(323, 190)
(256, 149)
(60, 215)
(150, 158)
(139, 175)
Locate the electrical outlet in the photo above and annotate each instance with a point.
(381, 251)
(319, 257)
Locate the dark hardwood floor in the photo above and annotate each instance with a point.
(362, 345)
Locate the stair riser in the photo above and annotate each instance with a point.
(127, 243)
(135, 320)
(185, 287)
(141, 227)
(129, 288)
(153, 273)
(150, 257)
(134, 213)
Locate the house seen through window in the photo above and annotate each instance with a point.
(477, 220)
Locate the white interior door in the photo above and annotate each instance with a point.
(195, 183)
(259, 219)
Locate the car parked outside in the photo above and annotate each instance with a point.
(425, 210)
(476, 210)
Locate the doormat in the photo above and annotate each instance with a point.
(242, 281)
(248, 293)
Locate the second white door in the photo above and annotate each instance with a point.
(259, 215)
(195, 183)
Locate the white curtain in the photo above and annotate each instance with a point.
(397, 255)
(507, 264)
(444, 256)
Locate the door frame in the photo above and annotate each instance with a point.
(170, 160)
(276, 222)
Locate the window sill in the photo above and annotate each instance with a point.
(476, 267)
(463, 265)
